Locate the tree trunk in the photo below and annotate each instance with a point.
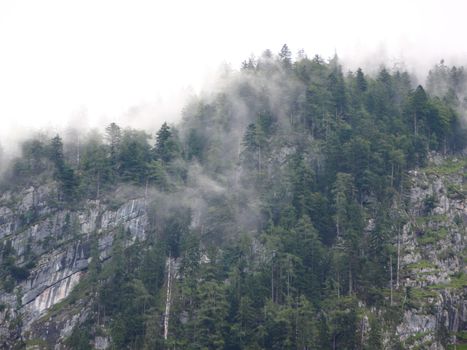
(415, 124)
(338, 286)
(398, 257)
(168, 298)
(259, 159)
(390, 272)
(272, 280)
(98, 184)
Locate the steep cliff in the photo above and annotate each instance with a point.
(433, 257)
(41, 308)
(60, 241)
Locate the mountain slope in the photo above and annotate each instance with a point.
(294, 207)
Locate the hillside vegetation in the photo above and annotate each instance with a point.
(279, 214)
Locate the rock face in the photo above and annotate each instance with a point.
(53, 281)
(433, 277)
(431, 285)
(61, 240)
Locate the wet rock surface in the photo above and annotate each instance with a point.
(431, 286)
(60, 240)
(433, 261)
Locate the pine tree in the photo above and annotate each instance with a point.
(56, 152)
(285, 56)
(166, 148)
(362, 84)
(114, 138)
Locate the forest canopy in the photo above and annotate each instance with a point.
(291, 159)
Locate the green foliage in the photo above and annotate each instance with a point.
(343, 323)
(458, 281)
(64, 174)
(134, 156)
(430, 236)
(289, 161)
(114, 138)
(422, 264)
(129, 288)
(10, 272)
(79, 339)
(375, 340)
(96, 167)
(451, 166)
(175, 228)
(285, 56)
(196, 145)
(166, 148)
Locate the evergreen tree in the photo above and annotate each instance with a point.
(361, 81)
(113, 136)
(166, 147)
(63, 173)
(285, 57)
(56, 152)
(134, 156)
(97, 171)
(375, 336)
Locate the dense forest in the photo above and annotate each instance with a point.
(277, 203)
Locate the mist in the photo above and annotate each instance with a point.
(137, 63)
(284, 166)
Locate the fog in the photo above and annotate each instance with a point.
(86, 63)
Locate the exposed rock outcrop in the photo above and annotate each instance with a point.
(61, 239)
(434, 284)
(431, 287)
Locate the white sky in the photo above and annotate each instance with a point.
(93, 61)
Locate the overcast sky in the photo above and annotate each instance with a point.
(101, 60)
